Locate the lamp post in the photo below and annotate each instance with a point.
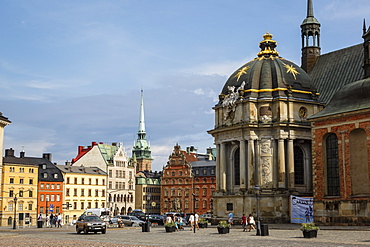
(194, 199)
(15, 211)
(257, 191)
(148, 198)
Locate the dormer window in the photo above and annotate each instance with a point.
(45, 175)
(55, 175)
(44, 166)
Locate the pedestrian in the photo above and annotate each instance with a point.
(180, 223)
(244, 222)
(251, 222)
(169, 219)
(59, 220)
(191, 220)
(47, 220)
(230, 218)
(51, 220)
(196, 217)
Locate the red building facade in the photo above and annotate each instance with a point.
(187, 183)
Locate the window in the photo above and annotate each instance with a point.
(229, 207)
(42, 197)
(67, 180)
(298, 166)
(130, 174)
(110, 185)
(11, 180)
(20, 194)
(90, 181)
(74, 205)
(11, 193)
(110, 173)
(332, 165)
(21, 180)
(58, 186)
(173, 173)
(20, 206)
(103, 193)
(21, 169)
(52, 198)
(237, 167)
(96, 193)
(45, 175)
(212, 171)
(11, 169)
(197, 171)
(196, 204)
(30, 193)
(44, 166)
(57, 210)
(96, 204)
(47, 197)
(82, 205)
(30, 206)
(55, 175)
(204, 171)
(82, 192)
(89, 192)
(58, 198)
(180, 173)
(75, 180)
(96, 181)
(30, 181)
(41, 210)
(103, 181)
(204, 191)
(89, 205)
(196, 191)
(82, 181)
(204, 204)
(74, 192)
(67, 192)
(10, 207)
(47, 186)
(52, 186)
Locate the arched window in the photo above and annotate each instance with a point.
(359, 162)
(298, 166)
(332, 166)
(237, 167)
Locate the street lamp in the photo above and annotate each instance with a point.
(257, 191)
(194, 199)
(15, 208)
(148, 197)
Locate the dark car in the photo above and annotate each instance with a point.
(157, 219)
(138, 214)
(90, 223)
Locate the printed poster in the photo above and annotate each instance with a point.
(301, 209)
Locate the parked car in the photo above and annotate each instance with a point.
(129, 220)
(158, 219)
(90, 223)
(207, 217)
(139, 214)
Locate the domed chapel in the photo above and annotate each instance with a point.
(262, 134)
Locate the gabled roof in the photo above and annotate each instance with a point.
(335, 69)
(108, 152)
(81, 169)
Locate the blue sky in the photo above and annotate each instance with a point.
(71, 70)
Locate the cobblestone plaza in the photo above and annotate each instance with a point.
(279, 235)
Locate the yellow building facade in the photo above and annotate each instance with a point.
(84, 187)
(18, 190)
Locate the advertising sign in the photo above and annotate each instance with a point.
(301, 209)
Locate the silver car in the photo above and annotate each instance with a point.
(129, 220)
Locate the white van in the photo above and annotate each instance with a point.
(103, 213)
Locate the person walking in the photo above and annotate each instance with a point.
(52, 218)
(230, 218)
(191, 220)
(47, 220)
(196, 218)
(59, 220)
(244, 222)
(251, 222)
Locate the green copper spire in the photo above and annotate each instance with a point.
(141, 150)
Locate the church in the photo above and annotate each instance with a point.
(263, 128)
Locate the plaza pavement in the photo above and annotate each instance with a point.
(279, 235)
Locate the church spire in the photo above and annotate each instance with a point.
(310, 31)
(309, 9)
(142, 119)
(141, 150)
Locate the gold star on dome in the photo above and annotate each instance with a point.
(241, 72)
(291, 69)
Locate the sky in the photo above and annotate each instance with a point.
(71, 71)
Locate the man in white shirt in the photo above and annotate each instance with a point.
(196, 220)
(191, 220)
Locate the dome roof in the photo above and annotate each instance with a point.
(270, 75)
(354, 96)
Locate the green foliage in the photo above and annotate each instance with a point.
(223, 223)
(203, 220)
(309, 227)
(170, 224)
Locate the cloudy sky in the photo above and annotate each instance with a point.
(71, 70)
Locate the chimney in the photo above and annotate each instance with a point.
(114, 144)
(9, 152)
(47, 156)
(68, 163)
(22, 154)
